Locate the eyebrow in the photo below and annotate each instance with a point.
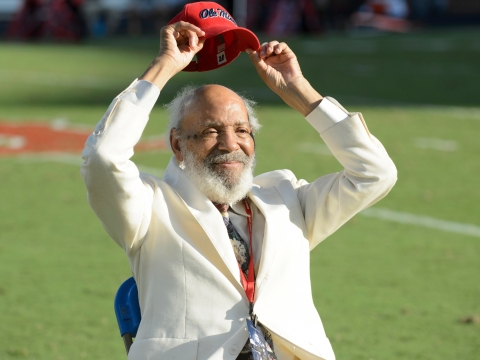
(219, 124)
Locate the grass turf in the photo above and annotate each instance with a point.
(384, 290)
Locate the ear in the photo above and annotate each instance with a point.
(175, 144)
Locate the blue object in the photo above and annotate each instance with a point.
(127, 311)
(99, 28)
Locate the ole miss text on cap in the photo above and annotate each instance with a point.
(224, 40)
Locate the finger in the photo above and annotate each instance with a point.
(257, 61)
(273, 42)
(271, 46)
(183, 25)
(254, 55)
(200, 45)
(170, 30)
(279, 48)
(192, 38)
(194, 43)
(267, 48)
(182, 38)
(263, 48)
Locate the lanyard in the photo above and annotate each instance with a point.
(249, 284)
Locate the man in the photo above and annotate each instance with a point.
(193, 287)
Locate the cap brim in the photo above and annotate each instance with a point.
(244, 38)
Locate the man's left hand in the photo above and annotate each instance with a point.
(278, 67)
(276, 64)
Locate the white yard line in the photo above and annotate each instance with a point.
(376, 212)
(468, 113)
(51, 157)
(12, 141)
(52, 79)
(425, 45)
(314, 148)
(355, 46)
(351, 47)
(436, 144)
(152, 171)
(458, 112)
(420, 220)
(77, 161)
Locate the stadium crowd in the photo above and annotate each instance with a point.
(73, 20)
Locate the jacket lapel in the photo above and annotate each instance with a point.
(269, 202)
(209, 219)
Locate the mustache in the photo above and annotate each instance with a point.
(239, 156)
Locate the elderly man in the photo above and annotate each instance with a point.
(215, 251)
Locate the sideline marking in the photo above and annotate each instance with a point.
(458, 112)
(58, 136)
(76, 160)
(18, 138)
(420, 220)
(58, 141)
(68, 159)
(351, 47)
(314, 148)
(425, 45)
(54, 79)
(436, 144)
(464, 113)
(12, 142)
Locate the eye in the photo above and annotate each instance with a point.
(210, 131)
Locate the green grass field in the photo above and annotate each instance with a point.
(385, 290)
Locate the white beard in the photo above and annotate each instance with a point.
(219, 186)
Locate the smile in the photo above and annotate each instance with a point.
(229, 164)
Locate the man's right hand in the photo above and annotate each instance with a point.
(179, 42)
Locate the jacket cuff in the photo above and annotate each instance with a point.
(326, 114)
(141, 93)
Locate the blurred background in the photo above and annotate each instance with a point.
(75, 20)
(398, 281)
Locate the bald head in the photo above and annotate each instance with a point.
(212, 104)
(191, 101)
(211, 95)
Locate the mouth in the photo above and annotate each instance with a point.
(229, 164)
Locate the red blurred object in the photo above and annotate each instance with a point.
(38, 138)
(57, 19)
(29, 23)
(285, 17)
(378, 8)
(383, 15)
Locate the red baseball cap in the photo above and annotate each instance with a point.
(224, 39)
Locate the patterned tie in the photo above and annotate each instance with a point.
(240, 248)
(242, 254)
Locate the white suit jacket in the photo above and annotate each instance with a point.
(192, 303)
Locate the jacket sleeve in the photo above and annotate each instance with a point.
(368, 174)
(119, 195)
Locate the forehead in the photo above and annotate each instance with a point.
(214, 105)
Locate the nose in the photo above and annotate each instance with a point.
(228, 141)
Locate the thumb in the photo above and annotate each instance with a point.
(199, 45)
(256, 60)
(252, 54)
